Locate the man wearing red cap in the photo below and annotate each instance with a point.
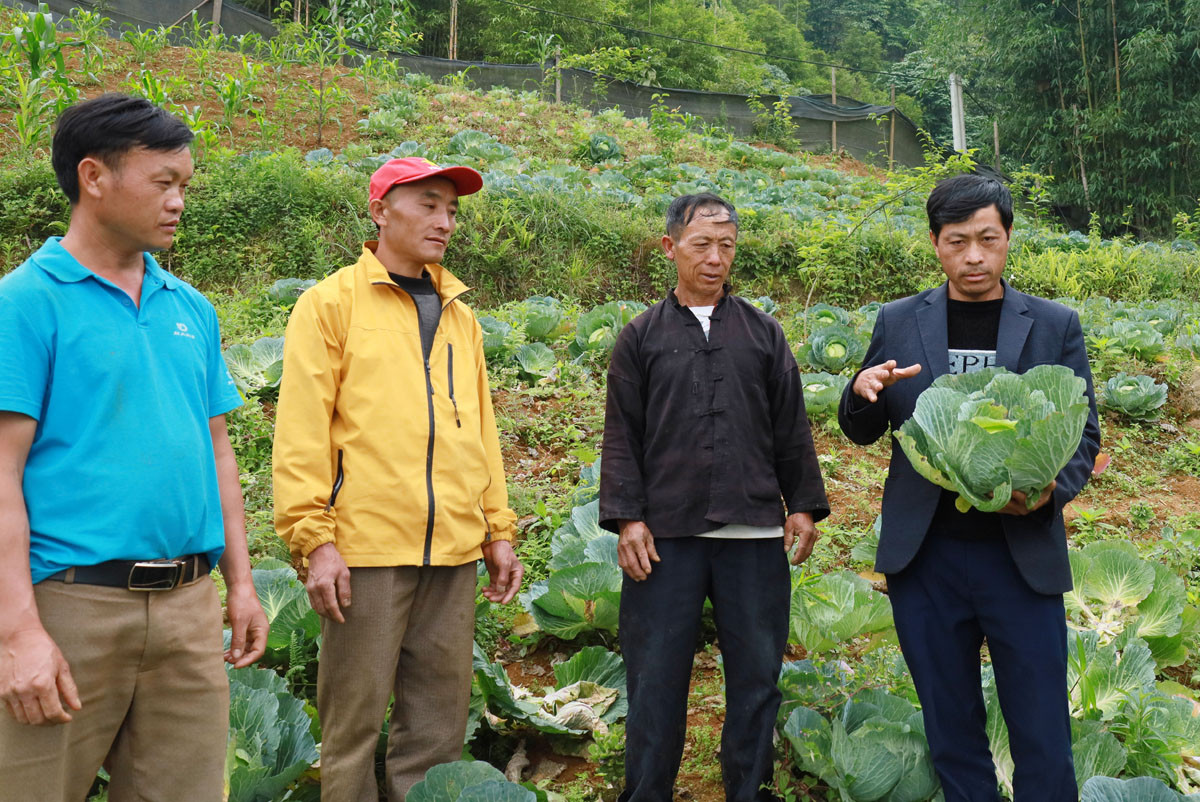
(389, 482)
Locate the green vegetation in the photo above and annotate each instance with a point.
(561, 248)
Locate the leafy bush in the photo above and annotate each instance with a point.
(1135, 397)
(835, 348)
(258, 367)
(822, 393)
(270, 742)
(989, 433)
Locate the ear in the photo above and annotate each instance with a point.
(93, 174)
(378, 211)
(933, 239)
(668, 246)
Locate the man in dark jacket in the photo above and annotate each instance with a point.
(956, 579)
(705, 443)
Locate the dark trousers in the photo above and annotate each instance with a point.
(749, 584)
(953, 595)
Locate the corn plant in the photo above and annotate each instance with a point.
(145, 43)
(37, 43)
(90, 28)
(33, 108)
(147, 84)
(235, 97)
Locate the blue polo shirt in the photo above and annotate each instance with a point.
(121, 465)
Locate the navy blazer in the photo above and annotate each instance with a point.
(1033, 331)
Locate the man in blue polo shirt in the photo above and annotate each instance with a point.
(118, 486)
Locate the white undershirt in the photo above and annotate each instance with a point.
(704, 315)
(731, 531)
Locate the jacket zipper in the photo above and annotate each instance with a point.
(429, 468)
(337, 483)
(450, 375)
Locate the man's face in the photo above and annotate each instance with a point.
(416, 220)
(973, 254)
(140, 200)
(704, 251)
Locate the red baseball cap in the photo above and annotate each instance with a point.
(413, 168)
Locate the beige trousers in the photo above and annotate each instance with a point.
(154, 693)
(408, 634)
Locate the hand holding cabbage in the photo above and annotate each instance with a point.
(987, 434)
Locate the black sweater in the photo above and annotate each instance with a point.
(703, 433)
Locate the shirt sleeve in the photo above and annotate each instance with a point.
(25, 360)
(223, 394)
(501, 520)
(622, 488)
(796, 465)
(862, 421)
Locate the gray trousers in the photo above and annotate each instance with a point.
(408, 634)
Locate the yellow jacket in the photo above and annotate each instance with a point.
(396, 462)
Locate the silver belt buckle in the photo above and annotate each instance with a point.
(155, 575)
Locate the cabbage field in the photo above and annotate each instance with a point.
(561, 250)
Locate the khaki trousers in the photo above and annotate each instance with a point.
(408, 633)
(154, 693)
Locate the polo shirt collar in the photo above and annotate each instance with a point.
(58, 262)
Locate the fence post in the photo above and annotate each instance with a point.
(557, 74)
(453, 48)
(892, 132)
(996, 140)
(833, 85)
(958, 124)
(216, 19)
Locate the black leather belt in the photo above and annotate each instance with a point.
(145, 575)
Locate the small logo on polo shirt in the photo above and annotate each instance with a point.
(181, 330)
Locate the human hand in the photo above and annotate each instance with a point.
(249, 626)
(799, 528)
(505, 571)
(35, 681)
(870, 381)
(328, 582)
(635, 550)
(1018, 504)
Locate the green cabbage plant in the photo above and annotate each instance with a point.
(822, 393)
(478, 147)
(286, 291)
(543, 318)
(256, 368)
(576, 599)
(536, 361)
(874, 748)
(835, 348)
(835, 608)
(1135, 397)
(1189, 343)
(581, 540)
(495, 336)
(989, 433)
(598, 328)
(818, 316)
(1137, 338)
(270, 738)
(598, 148)
(468, 781)
(1134, 789)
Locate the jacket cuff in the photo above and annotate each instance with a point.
(305, 545)
(818, 507)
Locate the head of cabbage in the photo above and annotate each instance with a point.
(986, 434)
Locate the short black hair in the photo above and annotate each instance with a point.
(683, 210)
(108, 127)
(955, 199)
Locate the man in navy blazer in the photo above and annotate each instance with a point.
(958, 579)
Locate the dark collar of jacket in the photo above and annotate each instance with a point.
(1015, 323)
(726, 289)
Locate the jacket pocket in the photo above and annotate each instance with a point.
(337, 483)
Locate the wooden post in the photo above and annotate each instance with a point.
(216, 19)
(957, 123)
(833, 126)
(453, 54)
(996, 140)
(892, 132)
(557, 74)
